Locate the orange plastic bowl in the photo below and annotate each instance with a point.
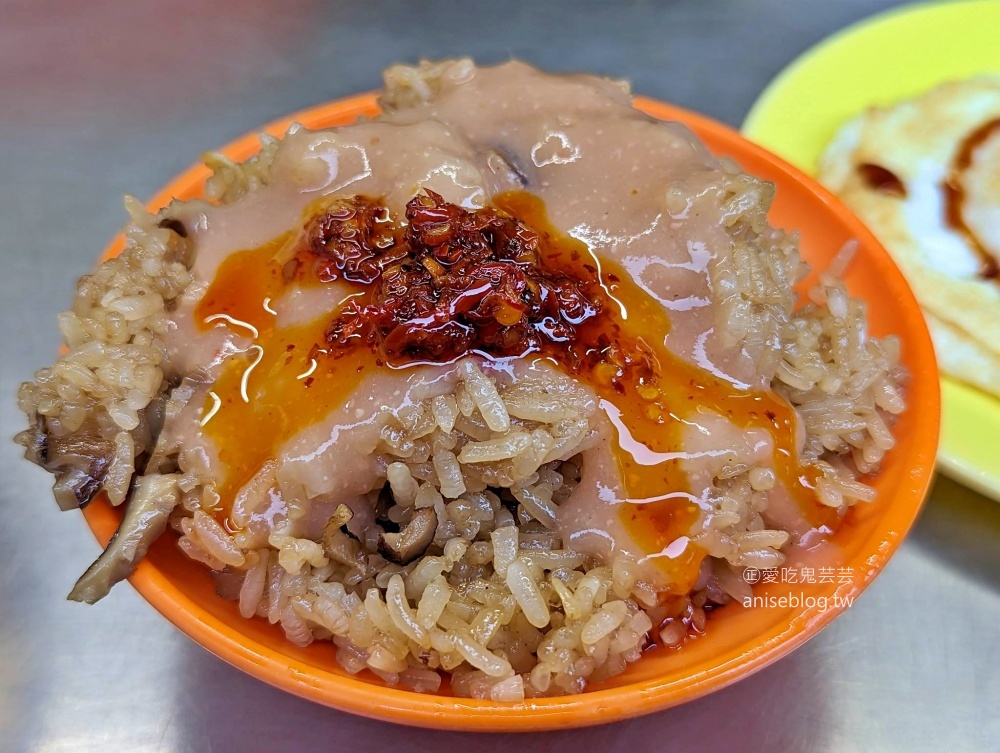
(738, 641)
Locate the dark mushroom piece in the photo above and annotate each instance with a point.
(79, 462)
(383, 504)
(180, 249)
(339, 544)
(152, 500)
(412, 540)
(175, 225)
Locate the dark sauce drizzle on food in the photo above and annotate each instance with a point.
(500, 282)
(882, 179)
(954, 197)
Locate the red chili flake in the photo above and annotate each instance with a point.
(449, 282)
(354, 235)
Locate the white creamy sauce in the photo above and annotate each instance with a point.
(982, 186)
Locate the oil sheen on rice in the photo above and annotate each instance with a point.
(287, 380)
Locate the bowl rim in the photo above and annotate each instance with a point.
(591, 707)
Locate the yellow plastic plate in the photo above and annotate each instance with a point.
(884, 59)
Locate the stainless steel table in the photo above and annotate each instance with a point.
(97, 99)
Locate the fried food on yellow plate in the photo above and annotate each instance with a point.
(961, 356)
(924, 175)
